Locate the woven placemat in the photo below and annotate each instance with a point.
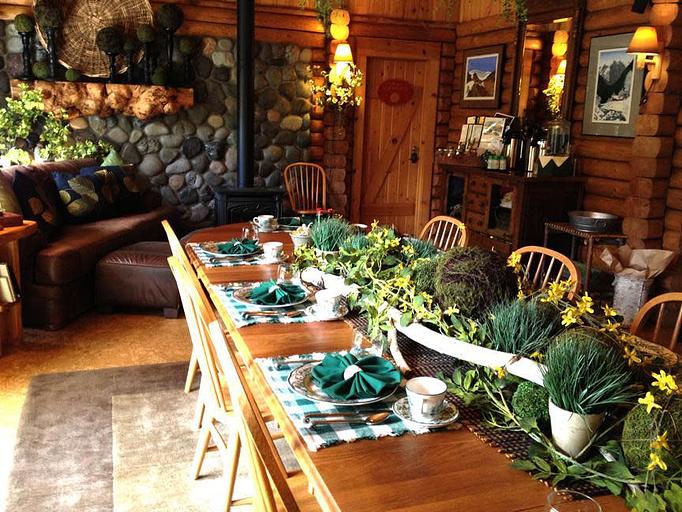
(426, 362)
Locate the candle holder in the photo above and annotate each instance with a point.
(27, 43)
(112, 66)
(147, 63)
(51, 35)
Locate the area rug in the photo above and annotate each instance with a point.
(118, 440)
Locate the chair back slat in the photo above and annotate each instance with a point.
(661, 304)
(542, 268)
(306, 186)
(176, 247)
(445, 232)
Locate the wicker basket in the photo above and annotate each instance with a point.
(76, 46)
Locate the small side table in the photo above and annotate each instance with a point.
(589, 238)
(11, 328)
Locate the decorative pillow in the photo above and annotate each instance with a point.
(38, 201)
(8, 199)
(113, 158)
(121, 187)
(79, 196)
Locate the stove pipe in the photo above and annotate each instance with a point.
(245, 99)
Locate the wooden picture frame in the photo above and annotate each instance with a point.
(616, 115)
(482, 78)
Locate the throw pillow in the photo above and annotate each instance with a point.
(8, 199)
(123, 187)
(79, 196)
(113, 158)
(38, 201)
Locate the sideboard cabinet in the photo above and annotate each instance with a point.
(504, 211)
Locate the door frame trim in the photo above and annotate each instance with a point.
(367, 47)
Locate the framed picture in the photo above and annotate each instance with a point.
(614, 88)
(474, 138)
(482, 77)
(464, 134)
(493, 131)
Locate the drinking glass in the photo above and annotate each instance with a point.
(571, 501)
(358, 340)
(284, 273)
(250, 233)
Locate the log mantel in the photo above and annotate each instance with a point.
(102, 99)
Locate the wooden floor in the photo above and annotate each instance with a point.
(93, 341)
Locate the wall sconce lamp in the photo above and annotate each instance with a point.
(644, 45)
(343, 61)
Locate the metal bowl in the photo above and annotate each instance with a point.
(594, 222)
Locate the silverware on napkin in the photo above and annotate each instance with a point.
(354, 414)
(288, 314)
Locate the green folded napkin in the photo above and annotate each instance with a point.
(375, 375)
(238, 246)
(290, 222)
(271, 293)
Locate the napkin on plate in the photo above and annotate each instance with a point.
(238, 246)
(367, 378)
(271, 293)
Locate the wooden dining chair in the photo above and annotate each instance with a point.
(179, 253)
(306, 186)
(445, 232)
(664, 303)
(241, 414)
(542, 266)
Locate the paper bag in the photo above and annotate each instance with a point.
(636, 263)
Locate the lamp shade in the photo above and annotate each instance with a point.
(644, 41)
(343, 53)
(561, 36)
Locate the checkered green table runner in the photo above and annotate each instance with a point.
(211, 261)
(322, 436)
(236, 310)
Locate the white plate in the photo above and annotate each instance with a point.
(242, 295)
(211, 248)
(323, 317)
(449, 415)
(301, 381)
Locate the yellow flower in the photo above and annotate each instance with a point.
(585, 304)
(661, 442)
(501, 374)
(451, 311)
(520, 295)
(610, 326)
(609, 311)
(655, 461)
(401, 282)
(556, 292)
(664, 382)
(537, 356)
(649, 401)
(570, 316)
(408, 250)
(514, 261)
(631, 356)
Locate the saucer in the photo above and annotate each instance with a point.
(449, 415)
(340, 313)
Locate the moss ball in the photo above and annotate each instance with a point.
(24, 24)
(130, 44)
(424, 275)
(639, 431)
(160, 76)
(72, 75)
(170, 17)
(187, 46)
(41, 70)
(472, 279)
(48, 16)
(109, 40)
(146, 33)
(531, 401)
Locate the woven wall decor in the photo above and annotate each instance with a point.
(76, 47)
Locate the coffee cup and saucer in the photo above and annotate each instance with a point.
(425, 405)
(265, 223)
(273, 252)
(328, 305)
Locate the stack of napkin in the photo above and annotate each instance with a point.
(345, 377)
(271, 293)
(238, 246)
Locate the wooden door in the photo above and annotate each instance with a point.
(387, 184)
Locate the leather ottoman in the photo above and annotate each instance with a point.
(137, 276)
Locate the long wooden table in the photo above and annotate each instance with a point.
(448, 470)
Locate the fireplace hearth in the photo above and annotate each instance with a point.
(243, 204)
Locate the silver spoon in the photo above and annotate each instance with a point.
(371, 419)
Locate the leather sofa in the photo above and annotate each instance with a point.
(58, 267)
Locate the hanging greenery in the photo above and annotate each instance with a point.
(324, 9)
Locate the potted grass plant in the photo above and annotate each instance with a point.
(327, 235)
(584, 377)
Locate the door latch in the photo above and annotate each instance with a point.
(414, 155)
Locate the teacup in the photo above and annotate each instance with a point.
(426, 396)
(273, 250)
(266, 222)
(328, 301)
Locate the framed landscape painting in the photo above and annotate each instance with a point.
(614, 88)
(482, 77)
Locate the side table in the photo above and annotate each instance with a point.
(11, 328)
(589, 238)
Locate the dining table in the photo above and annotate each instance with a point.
(443, 470)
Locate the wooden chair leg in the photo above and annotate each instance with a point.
(199, 414)
(232, 466)
(191, 372)
(200, 452)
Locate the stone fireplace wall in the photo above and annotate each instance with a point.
(185, 154)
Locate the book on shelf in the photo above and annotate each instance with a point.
(9, 289)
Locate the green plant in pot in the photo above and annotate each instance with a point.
(585, 377)
(327, 235)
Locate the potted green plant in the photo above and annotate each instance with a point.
(328, 234)
(584, 377)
